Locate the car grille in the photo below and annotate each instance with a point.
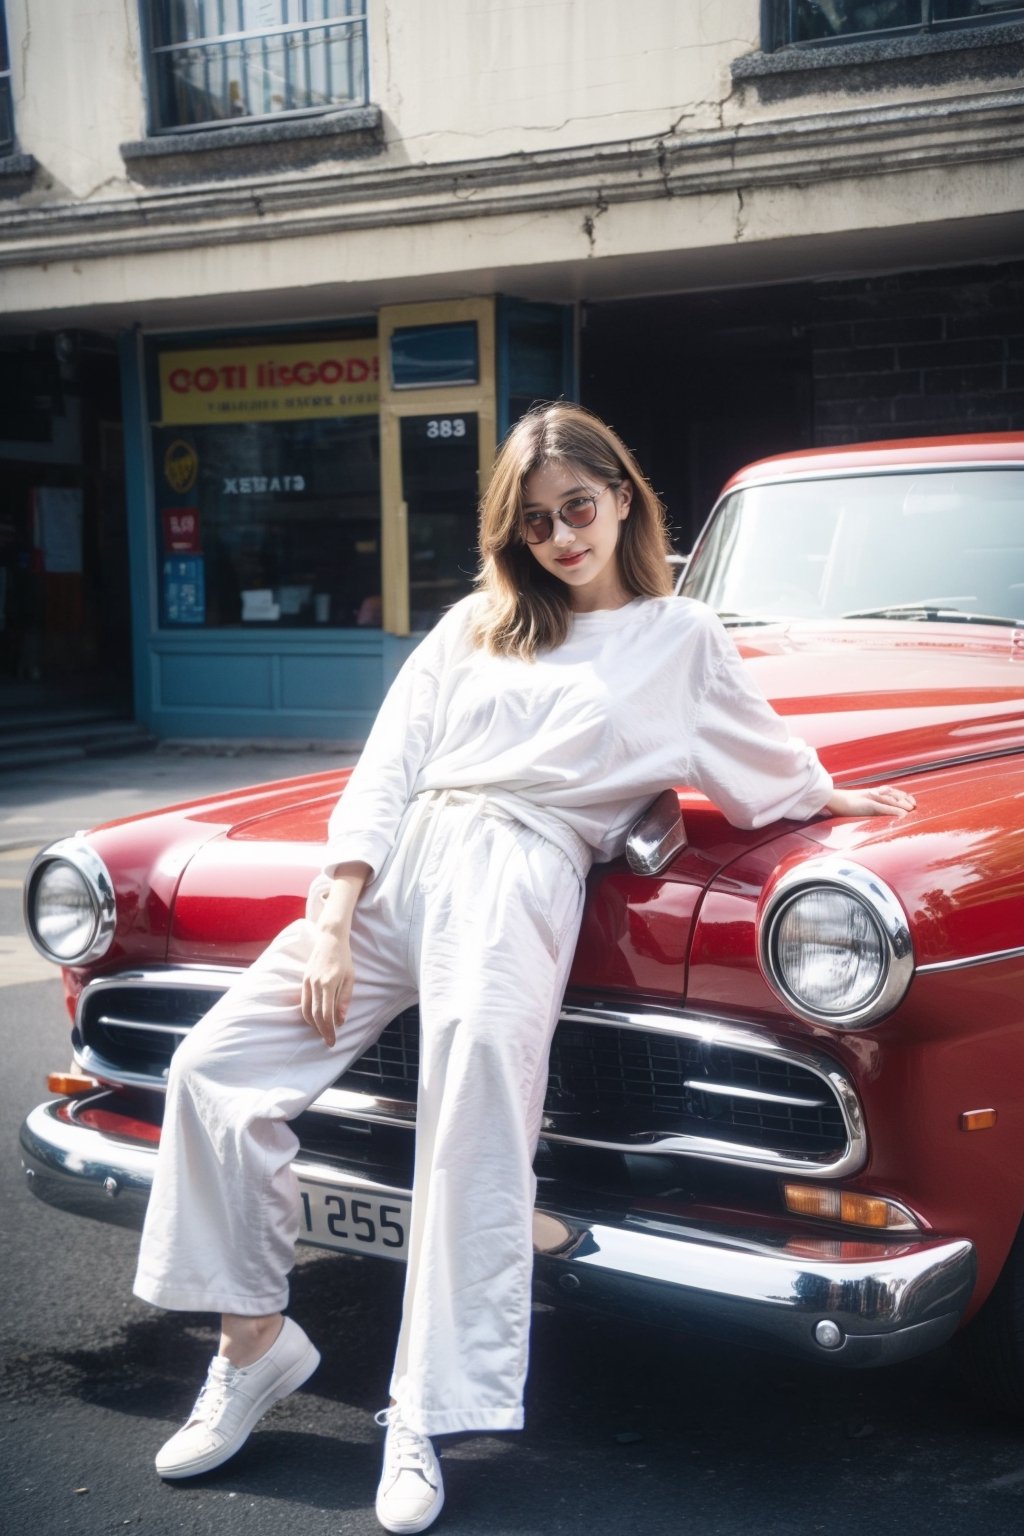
(609, 1084)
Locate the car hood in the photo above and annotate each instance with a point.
(881, 699)
(876, 701)
(247, 882)
(147, 855)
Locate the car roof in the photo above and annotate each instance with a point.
(901, 453)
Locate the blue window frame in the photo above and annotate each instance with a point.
(423, 356)
(215, 63)
(804, 22)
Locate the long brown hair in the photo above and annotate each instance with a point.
(527, 609)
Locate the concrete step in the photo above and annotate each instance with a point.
(67, 735)
(27, 718)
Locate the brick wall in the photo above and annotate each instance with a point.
(918, 354)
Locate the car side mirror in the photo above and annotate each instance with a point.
(656, 836)
(679, 564)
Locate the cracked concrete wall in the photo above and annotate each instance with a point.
(456, 79)
(464, 78)
(76, 82)
(686, 198)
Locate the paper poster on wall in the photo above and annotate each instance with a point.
(181, 531)
(57, 518)
(184, 590)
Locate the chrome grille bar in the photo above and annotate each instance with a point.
(111, 1021)
(638, 1081)
(735, 1092)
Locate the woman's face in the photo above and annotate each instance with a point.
(583, 558)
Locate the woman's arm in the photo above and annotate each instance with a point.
(328, 979)
(744, 759)
(365, 820)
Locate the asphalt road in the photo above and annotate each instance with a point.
(626, 1429)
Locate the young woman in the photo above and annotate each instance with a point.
(519, 742)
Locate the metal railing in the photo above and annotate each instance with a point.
(220, 62)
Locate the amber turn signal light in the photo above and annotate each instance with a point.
(978, 1119)
(830, 1204)
(69, 1082)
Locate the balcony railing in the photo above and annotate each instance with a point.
(220, 62)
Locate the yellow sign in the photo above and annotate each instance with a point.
(180, 466)
(268, 383)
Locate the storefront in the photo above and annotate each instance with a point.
(65, 629)
(303, 504)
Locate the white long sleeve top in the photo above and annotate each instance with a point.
(576, 742)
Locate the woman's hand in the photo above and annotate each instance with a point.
(329, 976)
(327, 984)
(886, 800)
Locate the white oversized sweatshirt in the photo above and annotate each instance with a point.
(577, 742)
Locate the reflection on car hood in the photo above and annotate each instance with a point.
(148, 854)
(874, 698)
(884, 697)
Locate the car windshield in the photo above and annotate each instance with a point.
(945, 544)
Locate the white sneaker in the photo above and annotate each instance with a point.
(411, 1494)
(233, 1398)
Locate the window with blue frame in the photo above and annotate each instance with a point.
(6, 112)
(216, 62)
(836, 21)
(429, 356)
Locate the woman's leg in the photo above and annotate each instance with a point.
(502, 913)
(222, 1220)
(244, 1340)
(223, 1215)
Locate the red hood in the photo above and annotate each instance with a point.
(148, 854)
(875, 700)
(878, 698)
(245, 884)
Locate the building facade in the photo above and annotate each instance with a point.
(275, 275)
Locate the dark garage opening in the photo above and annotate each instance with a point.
(698, 385)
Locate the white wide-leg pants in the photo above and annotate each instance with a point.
(477, 916)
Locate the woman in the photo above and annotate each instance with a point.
(519, 742)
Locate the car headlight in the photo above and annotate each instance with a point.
(69, 903)
(835, 945)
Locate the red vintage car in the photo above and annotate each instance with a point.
(786, 1097)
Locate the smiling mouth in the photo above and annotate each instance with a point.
(571, 560)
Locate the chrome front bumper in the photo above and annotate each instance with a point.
(859, 1303)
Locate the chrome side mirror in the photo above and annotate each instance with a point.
(679, 564)
(656, 836)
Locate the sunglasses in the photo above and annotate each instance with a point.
(578, 512)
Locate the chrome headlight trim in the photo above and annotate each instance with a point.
(92, 871)
(887, 916)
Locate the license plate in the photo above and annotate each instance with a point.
(357, 1223)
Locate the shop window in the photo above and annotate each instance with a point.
(824, 21)
(216, 62)
(6, 112)
(428, 356)
(266, 470)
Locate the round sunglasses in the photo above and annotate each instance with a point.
(578, 512)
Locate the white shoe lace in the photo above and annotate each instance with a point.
(406, 1450)
(212, 1399)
